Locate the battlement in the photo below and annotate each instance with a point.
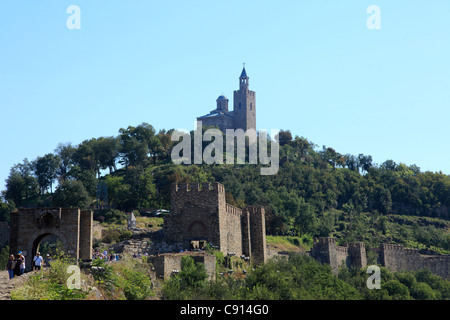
(324, 240)
(247, 91)
(343, 250)
(325, 250)
(233, 210)
(398, 248)
(197, 187)
(255, 210)
(356, 245)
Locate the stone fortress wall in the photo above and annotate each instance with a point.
(4, 233)
(200, 213)
(397, 257)
(392, 256)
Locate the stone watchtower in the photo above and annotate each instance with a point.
(327, 251)
(200, 214)
(244, 107)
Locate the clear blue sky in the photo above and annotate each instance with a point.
(315, 66)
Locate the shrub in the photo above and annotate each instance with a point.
(116, 235)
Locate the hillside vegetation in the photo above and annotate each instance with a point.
(299, 278)
(316, 192)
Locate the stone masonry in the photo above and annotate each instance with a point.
(170, 263)
(200, 214)
(394, 257)
(72, 226)
(243, 115)
(352, 255)
(4, 233)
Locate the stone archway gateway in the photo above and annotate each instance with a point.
(71, 225)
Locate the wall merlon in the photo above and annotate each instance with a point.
(197, 187)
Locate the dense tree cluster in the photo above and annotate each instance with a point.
(318, 192)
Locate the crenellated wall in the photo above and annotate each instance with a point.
(200, 212)
(325, 250)
(396, 258)
(392, 256)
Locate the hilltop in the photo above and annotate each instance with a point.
(316, 191)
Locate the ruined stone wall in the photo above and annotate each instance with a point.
(167, 264)
(86, 234)
(397, 258)
(257, 230)
(209, 262)
(357, 255)
(199, 212)
(233, 230)
(195, 212)
(30, 226)
(4, 234)
(341, 256)
(392, 256)
(325, 250)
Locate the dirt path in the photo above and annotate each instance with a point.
(7, 285)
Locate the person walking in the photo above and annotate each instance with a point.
(10, 265)
(37, 260)
(17, 266)
(22, 263)
(47, 261)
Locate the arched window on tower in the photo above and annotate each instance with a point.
(251, 106)
(239, 105)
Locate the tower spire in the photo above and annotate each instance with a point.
(243, 79)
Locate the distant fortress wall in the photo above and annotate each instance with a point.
(325, 250)
(392, 256)
(396, 258)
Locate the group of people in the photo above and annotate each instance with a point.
(16, 263)
(104, 255)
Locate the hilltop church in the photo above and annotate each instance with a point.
(243, 115)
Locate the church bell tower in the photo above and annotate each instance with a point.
(244, 107)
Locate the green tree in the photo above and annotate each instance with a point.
(138, 144)
(423, 291)
(192, 274)
(106, 150)
(397, 290)
(73, 194)
(21, 183)
(284, 137)
(46, 171)
(65, 152)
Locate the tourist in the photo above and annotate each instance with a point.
(47, 261)
(17, 266)
(38, 261)
(22, 263)
(10, 266)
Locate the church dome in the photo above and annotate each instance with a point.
(222, 97)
